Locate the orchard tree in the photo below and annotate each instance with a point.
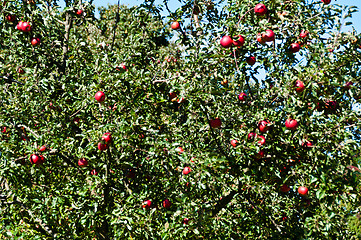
(222, 120)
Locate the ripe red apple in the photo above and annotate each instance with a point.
(226, 41)
(79, 12)
(307, 144)
(284, 188)
(186, 170)
(215, 123)
(166, 203)
(326, 1)
(234, 142)
(304, 33)
(94, 172)
(42, 148)
(175, 25)
(185, 221)
(100, 96)
(35, 41)
(147, 204)
(107, 137)
(3, 130)
(82, 162)
(10, 18)
(269, 36)
(299, 86)
(179, 150)
(239, 42)
(291, 124)
(263, 126)
(242, 96)
(251, 60)
(295, 47)
(37, 160)
(25, 27)
(102, 146)
(259, 155)
(260, 39)
(260, 9)
(21, 70)
(251, 136)
(172, 95)
(303, 191)
(262, 140)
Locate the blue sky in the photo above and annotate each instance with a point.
(175, 4)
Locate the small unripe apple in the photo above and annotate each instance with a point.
(107, 137)
(147, 204)
(102, 146)
(215, 123)
(94, 172)
(166, 203)
(251, 60)
(303, 191)
(175, 25)
(10, 18)
(100, 96)
(239, 42)
(82, 162)
(295, 47)
(263, 126)
(269, 36)
(326, 1)
(260, 9)
(186, 170)
(304, 33)
(35, 41)
(284, 188)
(242, 96)
(226, 41)
(299, 86)
(234, 142)
(291, 124)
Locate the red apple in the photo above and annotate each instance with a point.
(166, 203)
(102, 146)
(107, 137)
(239, 42)
(234, 142)
(186, 170)
(291, 124)
(10, 18)
(226, 41)
(35, 159)
(284, 188)
(262, 140)
(263, 126)
(307, 144)
(251, 136)
(185, 221)
(147, 204)
(303, 191)
(79, 12)
(21, 71)
(24, 26)
(172, 95)
(326, 1)
(215, 123)
(251, 60)
(242, 96)
(260, 9)
(35, 41)
(304, 33)
(295, 47)
(260, 39)
(94, 172)
(3, 130)
(269, 36)
(42, 148)
(82, 162)
(100, 96)
(259, 155)
(179, 150)
(299, 86)
(175, 25)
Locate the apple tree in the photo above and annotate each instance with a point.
(219, 120)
